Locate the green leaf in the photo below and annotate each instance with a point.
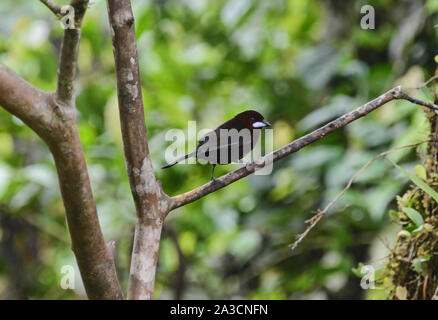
(420, 171)
(414, 215)
(420, 183)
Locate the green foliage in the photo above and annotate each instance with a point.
(419, 183)
(414, 215)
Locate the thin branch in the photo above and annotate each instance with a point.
(69, 55)
(427, 83)
(56, 9)
(151, 203)
(294, 146)
(80, 7)
(426, 104)
(426, 279)
(67, 66)
(321, 213)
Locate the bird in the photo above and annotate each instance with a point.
(229, 142)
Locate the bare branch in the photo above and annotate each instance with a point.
(95, 261)
(56, 9)
(426, 104)
(151, 203)
(67, 66)
(52, 116)
(23, 100)
(427, 83)
(294, 146)
(80, 7)
(57, 127)
(69, 55)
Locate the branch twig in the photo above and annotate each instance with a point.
(321, 213)
(425, 84)
(426, 104)
(57, 126)
(69, 55)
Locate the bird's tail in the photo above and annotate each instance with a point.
(174, 162)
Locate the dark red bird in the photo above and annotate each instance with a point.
(229, 142)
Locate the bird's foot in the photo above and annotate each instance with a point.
(213, 180)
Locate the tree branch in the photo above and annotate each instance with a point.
(24, 101)
(294, 146)
(69, 55)
(150, 201)
(56, 9)
(426, 104)
(57, 127)
(94, 259)
(52, 116)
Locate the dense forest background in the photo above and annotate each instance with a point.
(300, 63)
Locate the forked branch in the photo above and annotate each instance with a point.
(52, 117)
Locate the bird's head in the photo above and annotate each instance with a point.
(252, 120)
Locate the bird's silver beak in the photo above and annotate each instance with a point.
(261, 124)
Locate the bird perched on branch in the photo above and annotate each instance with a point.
(229, 142)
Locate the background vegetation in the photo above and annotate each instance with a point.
(300, 63)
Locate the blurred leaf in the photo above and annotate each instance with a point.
(338, 106)
(420, 183)
(187, 241)
(245, 243)
(414, 215)
(318, 65)
(420, 172)
(6, 145)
